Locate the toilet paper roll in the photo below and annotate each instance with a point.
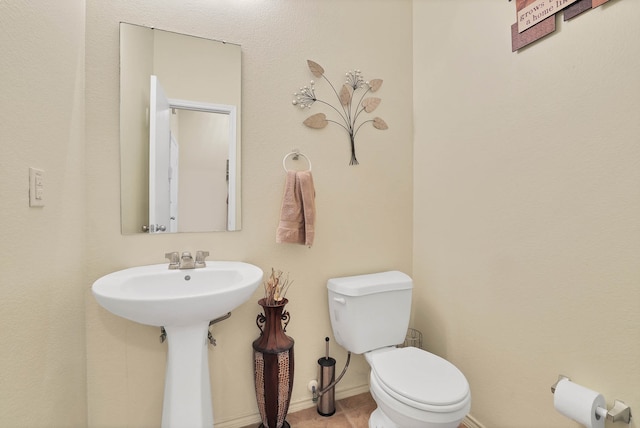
(581, 404)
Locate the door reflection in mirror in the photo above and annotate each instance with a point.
(189, 154)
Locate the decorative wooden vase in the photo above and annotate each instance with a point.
(273, 363)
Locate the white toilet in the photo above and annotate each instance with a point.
(412, 388)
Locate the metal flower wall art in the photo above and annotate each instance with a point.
(349, 110)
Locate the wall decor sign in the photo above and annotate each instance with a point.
(537, 18)
(531, 12)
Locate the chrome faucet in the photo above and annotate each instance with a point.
(186, 261)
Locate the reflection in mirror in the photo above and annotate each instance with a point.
(179, 132)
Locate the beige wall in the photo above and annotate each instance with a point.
(526, 201)
(527, 205)
(42, 360)
(364, 212)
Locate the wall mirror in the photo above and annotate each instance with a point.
(179, 132)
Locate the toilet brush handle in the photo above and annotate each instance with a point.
(326, 355)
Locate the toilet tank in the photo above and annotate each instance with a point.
(370, 311)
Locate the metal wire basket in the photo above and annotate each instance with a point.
(413, 338)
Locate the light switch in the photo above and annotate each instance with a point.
(36, 187)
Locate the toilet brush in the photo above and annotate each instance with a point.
(327, 402)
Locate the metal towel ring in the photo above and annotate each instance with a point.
(295, 155)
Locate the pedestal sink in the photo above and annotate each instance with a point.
(183, 302)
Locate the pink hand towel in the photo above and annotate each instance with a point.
(308, 205)
(297, 216)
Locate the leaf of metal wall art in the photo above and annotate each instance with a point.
(375, 84)
(378, 123)
(316, 121)
(370, 104)
(345, 95)
(316, 69)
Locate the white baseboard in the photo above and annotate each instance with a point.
(470, 422)
(305, 403)
(238, 422)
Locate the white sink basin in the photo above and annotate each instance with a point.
(155, 295)
(183, 301)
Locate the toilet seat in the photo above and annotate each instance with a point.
(420, 379)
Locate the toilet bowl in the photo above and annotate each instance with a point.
(412, 387)
(416, 389)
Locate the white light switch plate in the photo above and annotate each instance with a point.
(36, 187)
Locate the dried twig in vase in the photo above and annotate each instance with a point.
(275, 288)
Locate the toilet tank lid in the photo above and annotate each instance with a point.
(360, 285)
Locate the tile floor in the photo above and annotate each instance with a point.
(351, 412)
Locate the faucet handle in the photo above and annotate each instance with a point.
(174, 259)
(200, 258)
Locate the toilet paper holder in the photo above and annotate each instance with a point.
(620, 412)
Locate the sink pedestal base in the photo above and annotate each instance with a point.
(187, 390)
